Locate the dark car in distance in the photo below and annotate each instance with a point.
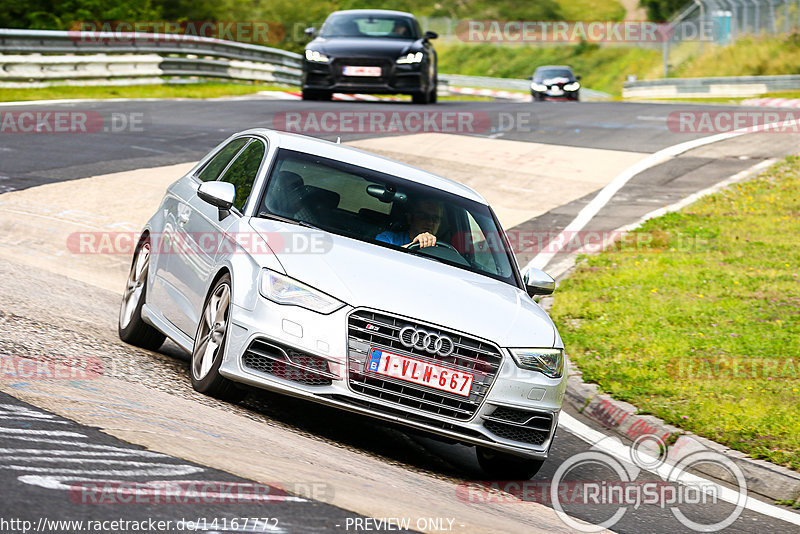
(370, 51)
(554, 82)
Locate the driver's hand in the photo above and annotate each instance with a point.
(425, 239)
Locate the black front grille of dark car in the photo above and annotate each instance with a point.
(367, 330)
(526, 426)
(287, 363)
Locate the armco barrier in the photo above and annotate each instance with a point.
(723, 86)
(35, 55)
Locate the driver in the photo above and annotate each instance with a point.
(423, 223)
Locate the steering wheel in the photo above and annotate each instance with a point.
(438, 244)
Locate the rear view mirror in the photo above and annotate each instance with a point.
(429, 35)
(310, 32)
(385, 194)
(538, 282)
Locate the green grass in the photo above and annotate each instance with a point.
(748, 56)
(695, 317)
(600, 68)
(193, 90)
(591, 9)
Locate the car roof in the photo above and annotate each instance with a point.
(554, 67)
(361, 158)
(371, 12)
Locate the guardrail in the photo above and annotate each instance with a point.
(35, 55)
(723, 86)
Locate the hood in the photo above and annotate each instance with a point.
(365, 275)
(371, 47)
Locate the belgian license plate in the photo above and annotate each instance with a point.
(419, 372)
(361, 71)
(555, 91)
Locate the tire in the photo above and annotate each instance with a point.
(316, 95)
(209, 345)
(434, 93)
(501, 466)
(421, 98)
(130, 326)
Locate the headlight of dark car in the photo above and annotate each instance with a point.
(574, 86)
(316, 56)
(411, 58)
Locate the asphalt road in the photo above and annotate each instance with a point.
(180, 131)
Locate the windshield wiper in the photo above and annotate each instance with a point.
(266, 215)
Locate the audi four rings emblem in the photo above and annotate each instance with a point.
(422, 340)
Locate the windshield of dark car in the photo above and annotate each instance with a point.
(384, 26)
(553, 73)
(379, 208)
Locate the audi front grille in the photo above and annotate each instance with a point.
(367, 330)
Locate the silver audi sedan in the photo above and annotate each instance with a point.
(327, 273)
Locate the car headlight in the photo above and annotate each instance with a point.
(317, 57)
(549, 362)
(574, 86)
(284, 290)
(538, 87)
(411, 57)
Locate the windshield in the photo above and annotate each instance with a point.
(548, 74)
(385, 26)
(384, 210)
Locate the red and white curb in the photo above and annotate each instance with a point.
(772, 102)
(473, 91)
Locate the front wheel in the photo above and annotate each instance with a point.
(131, 327)
(502, 466)
(209, 345)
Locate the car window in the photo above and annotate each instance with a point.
(217, 164)
(382, 209)
(242, 172)
(385, 26)
(553, 73)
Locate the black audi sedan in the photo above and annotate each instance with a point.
(555, 81)
(370, 51)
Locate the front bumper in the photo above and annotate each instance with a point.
(516, 413)
(394, 79)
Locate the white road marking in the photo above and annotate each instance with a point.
(620, 450)
(605, 195)
(149, 149)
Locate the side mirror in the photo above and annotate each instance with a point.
(529, 78)
(429, 35)
(310, 32)
(577, 77)
(219, 194)
(538, 282)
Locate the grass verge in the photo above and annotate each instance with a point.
(695, 317)
(189, 90)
